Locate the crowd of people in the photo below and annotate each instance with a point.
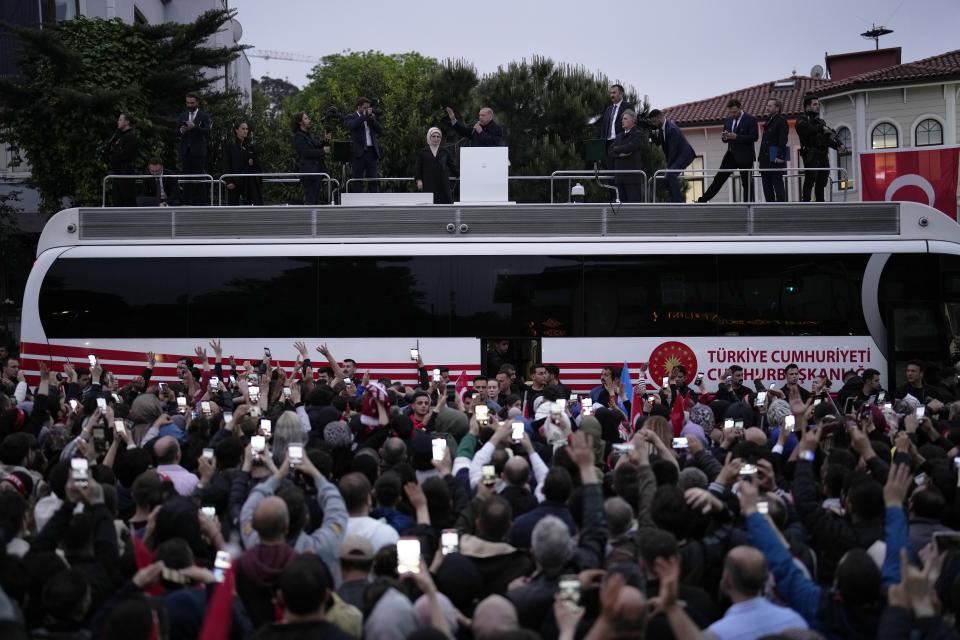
(249, 500)
(626, 135)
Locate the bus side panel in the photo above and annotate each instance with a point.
(31, 330)
(581, 359)
(381, 357)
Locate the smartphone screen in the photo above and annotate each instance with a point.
(119, 426)
(482, 412)
(101, 403)
(205, 407)
(789, 423)
(210, 512)
(761, 398)
(227, 417)
(439, 448)
(666, 381)
(449, 541)
(92, 359)
(699, 379)
(295, 454)
(79, 470)
(208, 453)
(266, 426)
(517, 431)
(681, 443)
(414, 354)
(287, 392)
(258, 444)
(408, 555)
(587, 406)
(221, 565)
(214, 384)
(489, 474)
(254, 393)
(921, 412)
(569, 591)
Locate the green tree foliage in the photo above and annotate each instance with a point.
(78, 75)
(276, 91)
(400, 85)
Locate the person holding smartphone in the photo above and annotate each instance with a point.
(677, 389)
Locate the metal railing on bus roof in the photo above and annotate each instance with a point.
(200, 178)
(789, 173)
(280, 178)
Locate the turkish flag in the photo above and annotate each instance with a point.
(927, 176)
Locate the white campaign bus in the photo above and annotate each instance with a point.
(828, 287)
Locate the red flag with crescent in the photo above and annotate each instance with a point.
(927, 176)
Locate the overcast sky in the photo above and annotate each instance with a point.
(674, 51)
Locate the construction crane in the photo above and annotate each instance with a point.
(282, 55)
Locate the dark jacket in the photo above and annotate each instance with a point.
(435, 172)
(522, 529)
(310, 153)
(534, 601)
(520, 499)
(625, 152)
(301, 631)
(193, 142)
(258, 574)
(358, 137)
(150, 188)
(775, 133)
(124, 146)
(618, 123)
(747, 132)
(815, 138)
(490, 136)
(240, 157)
(498, 563)
(676, 148)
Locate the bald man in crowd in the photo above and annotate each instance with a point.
(751, 616)
(484, 133)
(166, 450)
(259, 568)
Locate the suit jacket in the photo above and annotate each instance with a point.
(150, 188)
(625, 152)
(123, 148)
(193, 142)
(742, 148)
(607, 114)
(676, 148)
(237, 156)
(310, 153)
(358, 136)
(491, 136)
(775, 133)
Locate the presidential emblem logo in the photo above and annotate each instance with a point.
(667, 356)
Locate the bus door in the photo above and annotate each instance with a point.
(522, 353)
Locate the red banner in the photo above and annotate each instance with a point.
(927, 176)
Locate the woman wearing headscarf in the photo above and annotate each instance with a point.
(434, 168)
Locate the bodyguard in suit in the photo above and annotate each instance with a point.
(158, 190)
(611, 124)
(484, 133)
(364, 130)
(773, 152)
(676, 149)
(625, 154)
(193, 131)
(310, 157)
(123, 149)
(740, 132)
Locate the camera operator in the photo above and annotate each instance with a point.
(815, 140)
(121, 151)
(364, 131)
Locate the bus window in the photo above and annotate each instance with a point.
(517, 295)
(235, 297)
(791, 295)
(117, 298)
(381, 297)
(650, 295)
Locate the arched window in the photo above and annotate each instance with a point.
(884, 136)
(845, 160)
(928, 132)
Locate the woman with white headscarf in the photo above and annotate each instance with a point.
(434, 168)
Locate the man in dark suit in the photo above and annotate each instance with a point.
(364, 130)
(158, 190)
(773, 152)
(626, 154)
(611, 124)
(740, 132)
(123, 150)
(676, 149)
(484, 133)
(193, 131)
(311, 154)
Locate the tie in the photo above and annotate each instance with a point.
(163, 196)
(191, 116)
(613, 120)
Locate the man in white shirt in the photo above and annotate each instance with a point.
(752, 616)
(610, 123)
(358, 496)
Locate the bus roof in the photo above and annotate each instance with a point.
(445, 224)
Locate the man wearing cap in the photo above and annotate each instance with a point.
(356, 561)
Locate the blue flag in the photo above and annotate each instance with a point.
(627, 386)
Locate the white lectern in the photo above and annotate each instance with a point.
(483, 174)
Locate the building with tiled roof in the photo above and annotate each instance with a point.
(886, 106)
(754, 99)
